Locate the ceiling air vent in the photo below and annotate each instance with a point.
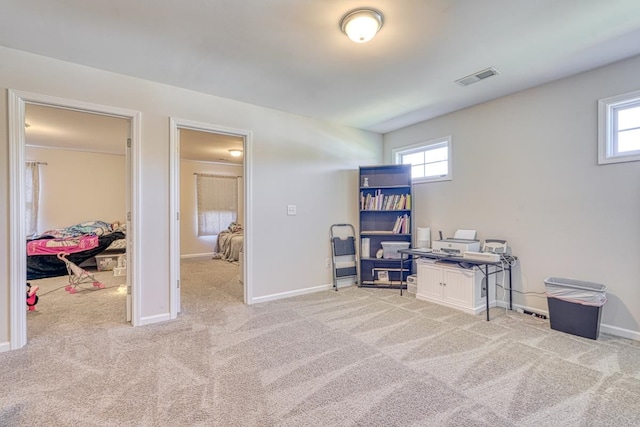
(477, 76)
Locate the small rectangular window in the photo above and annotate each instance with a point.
(430, 161)
(217, 203)
(619, 128)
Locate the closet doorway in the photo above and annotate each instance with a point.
(71, 142)
(203, 155)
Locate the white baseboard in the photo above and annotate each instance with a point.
(5, 346)
(289, 294)
(620, 332)
(154, 319)
(207, 254)
(607, 329)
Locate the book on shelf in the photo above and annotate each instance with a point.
(383, 275)
(387, 202)
(406, 224)
(396, 226)
(398, 203)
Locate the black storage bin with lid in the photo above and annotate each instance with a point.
(575, 306)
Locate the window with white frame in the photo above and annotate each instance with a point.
(217, 203)
(430, 161)
(619, 128)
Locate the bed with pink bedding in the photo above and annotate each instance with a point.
(81, 241)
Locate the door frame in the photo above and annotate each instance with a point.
(17, 225)
(175, 125)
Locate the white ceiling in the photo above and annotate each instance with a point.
(290, 54)
(209, 147)
(74, 130)
(53, 127)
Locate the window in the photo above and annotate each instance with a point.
(619, 128)
(431, 160)
(217, 202)
(32, 196)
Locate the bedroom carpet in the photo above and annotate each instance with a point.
(89, 309)
(357, 357)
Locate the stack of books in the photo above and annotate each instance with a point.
(379, 202)
(402, 225)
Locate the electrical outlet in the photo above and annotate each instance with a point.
(291, 209)
(327, 263)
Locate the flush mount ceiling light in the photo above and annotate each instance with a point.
(235, 152)
(361, 25)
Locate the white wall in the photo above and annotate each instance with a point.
(296, 160)
(525, 169)
(190, 242)
(78, 186)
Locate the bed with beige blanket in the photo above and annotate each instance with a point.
(230, 243)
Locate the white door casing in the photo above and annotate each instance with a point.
(174, 214)
(129, 206)
(17, 239)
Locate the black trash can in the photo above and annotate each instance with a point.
(575, 306)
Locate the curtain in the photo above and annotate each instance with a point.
(32, 196)
(217, 203)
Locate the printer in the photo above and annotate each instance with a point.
(454, 246)
(462, 241)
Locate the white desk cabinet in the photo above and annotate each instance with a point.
(453, 286)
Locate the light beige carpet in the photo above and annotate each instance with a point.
(357, 357)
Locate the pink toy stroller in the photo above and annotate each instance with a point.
(77, 275)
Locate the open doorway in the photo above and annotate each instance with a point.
(38, 126)
(202, 154)
(76, 217)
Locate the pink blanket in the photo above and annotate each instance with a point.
(66, 244)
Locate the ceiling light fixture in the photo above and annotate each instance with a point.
(361, 25)
(235, 152)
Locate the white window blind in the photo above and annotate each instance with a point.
(217, 203)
